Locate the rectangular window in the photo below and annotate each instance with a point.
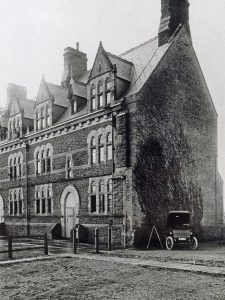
(38, 206)
(48, 169)
(109, 152)
(14, 172)
(43, 210)
(11, 208)
(93, 155)
(101, 154)
(43, 166)
(101, 203)
(48, 121)
(49, 205)
(109, 202)
(93, 104)
(100, 101)
(38, 167)
(93, 203)
(20, 207)
(15, 207)
(108, 98)
(11, 172)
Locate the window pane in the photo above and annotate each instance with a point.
(108, 97)
(109, 137)
(20, 207)
(11, 208)
(93, 104)
(93, 156)
(101, 154)
(43, 206)
(109, 202)
(93, 188)
(93, 90)
(101, 187)
(93, 203)
(101, 203)
(109, 152)
(100, 87)
(38, 206)
(100, 101)
(48, 164)
(49, 205)
(15, 208)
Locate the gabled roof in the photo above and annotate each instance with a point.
(145, 58)
(28, 108)
(78, 89)
(59, 93)
(49, 91)
(124, 67)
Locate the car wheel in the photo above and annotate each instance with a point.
(169, 243)
(194, 243)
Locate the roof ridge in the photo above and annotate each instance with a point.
(138, 46)
(56, 85)
(120, 58)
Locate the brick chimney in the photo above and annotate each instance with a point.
(173, 13)
(75, 64)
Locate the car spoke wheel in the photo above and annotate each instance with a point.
(194, 243)
(169, 243)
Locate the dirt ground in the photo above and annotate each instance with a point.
(71, 278)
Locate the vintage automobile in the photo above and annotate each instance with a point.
(179, 230)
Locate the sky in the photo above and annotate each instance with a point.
(34, 33)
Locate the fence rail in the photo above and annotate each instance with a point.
(10, 239)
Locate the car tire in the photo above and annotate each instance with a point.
(194, 243)
(169, 243)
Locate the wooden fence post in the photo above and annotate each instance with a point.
(10, 254)
(45, 243)
(109, 238)
(74, 241)
(96, 240)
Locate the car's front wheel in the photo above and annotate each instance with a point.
(194, 243)
(169, 243)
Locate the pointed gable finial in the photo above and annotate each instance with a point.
(100, 45)
(43, 78)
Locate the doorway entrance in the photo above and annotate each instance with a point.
(69, 210)
(2, 219)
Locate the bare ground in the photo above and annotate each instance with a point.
(70, 278)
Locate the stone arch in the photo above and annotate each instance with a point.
(69, 202)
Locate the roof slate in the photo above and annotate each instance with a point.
(145, 58)
(124, 68)
(79, 89)
(59, 93)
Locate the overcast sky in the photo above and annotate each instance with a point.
(33, 34)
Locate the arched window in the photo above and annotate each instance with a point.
(69, 167)
(93, 98)
(101, 148)
(101, 196)
(109, 195)
(100, 95)
(107, 92)
(43, 163)
(109, 146)
(93, 204)
(38, 163)
(93, 150)
(48, 160)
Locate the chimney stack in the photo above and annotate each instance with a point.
(173, 13)
(75, 64)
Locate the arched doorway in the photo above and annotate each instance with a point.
(1, 210)
(69, 210)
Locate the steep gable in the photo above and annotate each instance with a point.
(43, 92)
(101, 64)
(14, 107)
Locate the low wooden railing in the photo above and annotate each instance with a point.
(10, 239)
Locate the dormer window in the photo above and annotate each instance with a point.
(93, 98)
(100, 94)
(107, 92)
(74, 106)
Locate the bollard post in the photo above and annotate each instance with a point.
(109, 238)
(45, 243)
(10, 254)
(96, 240)
(74, 241)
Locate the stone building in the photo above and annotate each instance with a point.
(120, 144)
